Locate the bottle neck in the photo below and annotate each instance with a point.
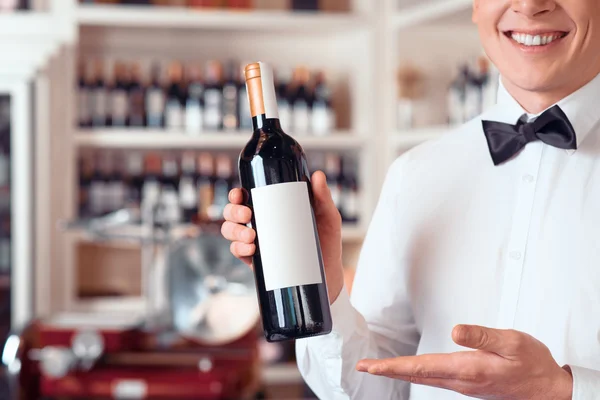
(266, 124)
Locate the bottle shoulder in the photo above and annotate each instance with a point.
(271, 144)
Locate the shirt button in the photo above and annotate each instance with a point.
(527, 178)
(515, 255)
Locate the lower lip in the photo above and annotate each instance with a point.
(536, 49)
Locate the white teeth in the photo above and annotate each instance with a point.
(537, 40)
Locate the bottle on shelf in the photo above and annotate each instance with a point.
(231, 85)
(206, 179)
(194, 103)
(86, 175)
(301, 102)
(305, 5)
(289, 271)
(472, 99)
(155, 100)
(98, 96)
(333, 172)
(151, 187)
(282, 88)
(135, 179)
(175, 103)
(282, 5)
(169, 208)
(222, 185)
(115, 185)
(98, 199)
(456, 97)
(487, 74)
(239, 4)
(119, 104)
(188, 193)
(350, 205)
(84, 116)
(137, 109)
(5, 253)
(213, 96)
(323, 117)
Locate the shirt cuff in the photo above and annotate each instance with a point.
(586, 383)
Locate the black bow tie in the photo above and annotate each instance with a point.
(506, 140)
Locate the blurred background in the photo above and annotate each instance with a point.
(120, 127)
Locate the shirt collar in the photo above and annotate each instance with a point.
(580, 107)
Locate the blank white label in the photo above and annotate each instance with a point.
(286, 235)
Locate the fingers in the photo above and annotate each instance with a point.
(324, 205)
(243, 251)
(237, 213)
(237, 233)
(236, 196)
(461, 365)
(481, 338)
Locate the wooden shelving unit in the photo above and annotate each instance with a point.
(179, 17)
(157, 139)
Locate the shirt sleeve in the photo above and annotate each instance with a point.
(377, 322)
(586, 383)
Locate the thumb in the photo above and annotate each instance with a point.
(323, 202)
(478, 337)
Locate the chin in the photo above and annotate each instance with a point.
(532, 82)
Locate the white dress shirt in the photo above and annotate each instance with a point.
(457, 240)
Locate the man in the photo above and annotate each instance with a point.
(483, 256)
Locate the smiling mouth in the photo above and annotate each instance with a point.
(537, 40)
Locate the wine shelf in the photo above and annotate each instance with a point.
(164, 139)
(180, 17)
(425, 12)
(350, 233)
(411, 137)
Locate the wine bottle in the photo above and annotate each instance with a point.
(284, 106)
(86, 171)
(194, 104)
(333, 171)
(98, 186)
(115, 185)
(119, 109)
(213, 97)
(288, 264)
(98, 96)
(222, 187)
(174, 108)
(155, 100)
(188, 195)
(170, 210)
(230, 99)
(301, 102)
(84, 118)
(135, 179)
(205, 185)
(350, 196)
(151, 186)
(137, 112)
(323, 119)
(305, 5)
